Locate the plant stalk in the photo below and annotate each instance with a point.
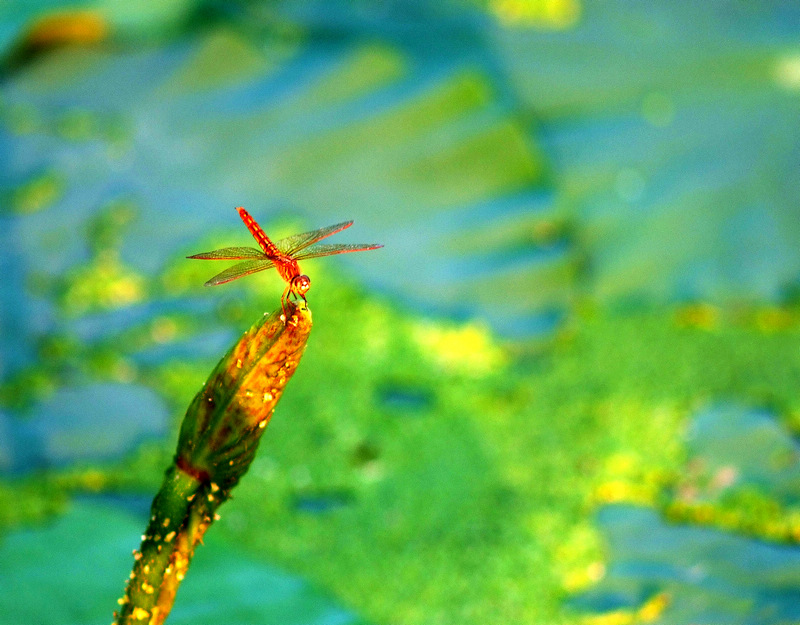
(217, 443)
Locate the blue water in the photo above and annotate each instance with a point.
(224, 586)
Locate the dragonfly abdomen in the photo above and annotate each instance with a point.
(258, 234)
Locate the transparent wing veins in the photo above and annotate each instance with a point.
(323, 249)
(296, 242)
(239, 270)
(230, 253)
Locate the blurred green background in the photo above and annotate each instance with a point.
(566, 391)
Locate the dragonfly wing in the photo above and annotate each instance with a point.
(323, 249)
(230, 253)
(240, 270)
(297, 242)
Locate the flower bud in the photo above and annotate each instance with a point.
(224, 423)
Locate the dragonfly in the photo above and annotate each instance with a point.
(283, 255)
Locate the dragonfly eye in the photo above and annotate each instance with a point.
(302, 284)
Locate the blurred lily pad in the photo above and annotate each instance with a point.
(701, 575)
(647, 112)
(73, 426)
(681, 574)
(732, 447)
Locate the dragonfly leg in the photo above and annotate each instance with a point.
(284, 300)
(299, 295)
(292, 291)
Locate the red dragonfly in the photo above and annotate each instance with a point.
(283, 255)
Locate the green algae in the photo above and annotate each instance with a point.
(395, 126)
(223, 58)
(486, 489)
(480, 497)
(38, 193)
(105, 281)
(79, 125)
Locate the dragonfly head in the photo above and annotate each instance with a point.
(301, 284)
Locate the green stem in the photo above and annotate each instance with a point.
(161, 546)
(200, 517)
